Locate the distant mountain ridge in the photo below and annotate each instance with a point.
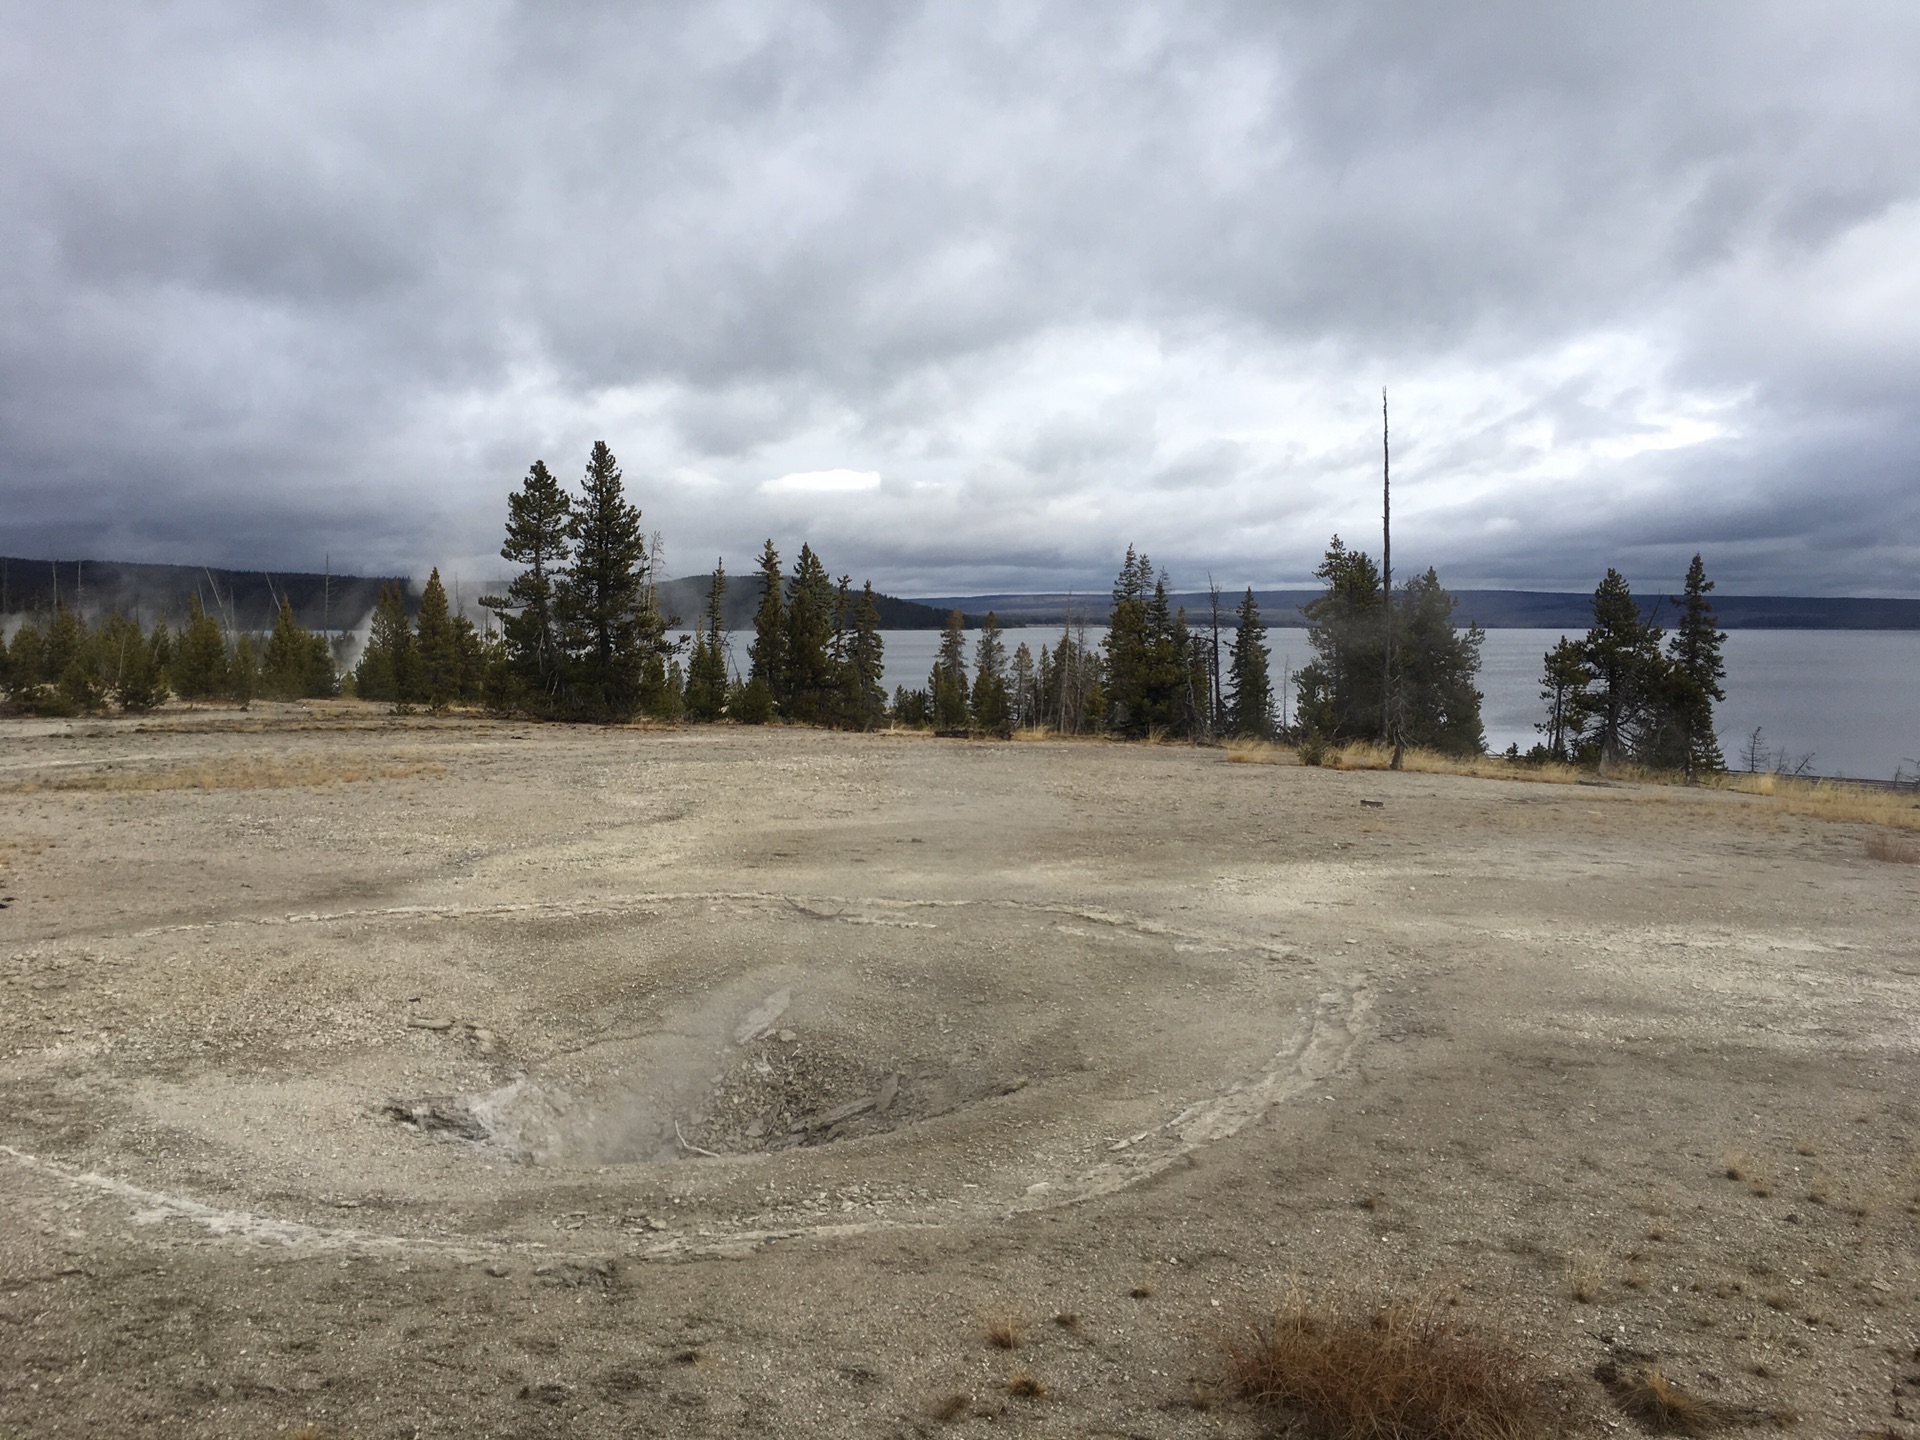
(250, 599)
(1491, 609)
(343, 602)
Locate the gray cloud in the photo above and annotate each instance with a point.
(279, 284)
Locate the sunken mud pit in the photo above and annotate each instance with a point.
(403, 1077)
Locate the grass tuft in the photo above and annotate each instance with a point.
(951, 1407)
(1006, 1332)
(1892, 848)
(1401, 1369)
(1584, 1278)
(1025, 1386)
(1659, 1404)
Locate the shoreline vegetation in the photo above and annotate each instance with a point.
(582, 633)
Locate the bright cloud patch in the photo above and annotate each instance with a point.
(822, 482)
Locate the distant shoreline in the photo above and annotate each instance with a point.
(1490, 609)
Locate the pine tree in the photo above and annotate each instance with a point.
(1623, 661)
(1697, 668)
(286, 668)
(707, 666)
(1251, 710)
(1435, 671)
(539, 518)
(389, 665)
(1129, 646)
(990, 708)
(865, 663)
(470, 661)
(1563, 685)
(126, 666)
(1023, 685)
(1340, 687)
(947, 681)
(810, 611)
(439, 666)
(608, 632)
(200, 659)
(767, 657)
(243, 671)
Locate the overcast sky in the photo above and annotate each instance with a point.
(972, 296)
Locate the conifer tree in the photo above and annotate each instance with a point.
(810, 610)
(243, 671)
(200, 659)
(610, 634)
(160, 642)
(865, 664)
(7, 682)
(1250, 712)
(767, 657)
(388, 668)
(470, 660)
(26, 660)
(439, 654)
(707, 667)
(539, 518)
(1436, 667)
(947, 682)
(297, 664)
(1623, 659)
(1697, 668)
(1563, 685)
(1129, 646)
(126, 665)
(990, 706)
(1340, 687)
(1023, 686)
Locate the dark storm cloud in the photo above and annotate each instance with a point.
(284, 282)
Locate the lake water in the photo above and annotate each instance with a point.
(1849, 698)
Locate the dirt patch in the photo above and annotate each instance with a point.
(728, 1082)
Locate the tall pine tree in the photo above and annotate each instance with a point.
(990, 704)
(767, 657)
(610, 632)
(1250, 712)
(539, 518)
(1437, 665)
(438, 647)
(1697, 669)
(947, 681)
(810, 625)
(1623, 658)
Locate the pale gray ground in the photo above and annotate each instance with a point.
(385, 1104)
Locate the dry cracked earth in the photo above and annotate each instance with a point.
(400, 1076)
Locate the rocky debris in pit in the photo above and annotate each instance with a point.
(442, 1116)
(785, 1090)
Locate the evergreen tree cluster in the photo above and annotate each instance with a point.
(1618, 694)
(66, 667)
(1342, 696)
(438, 660)
(817, 653)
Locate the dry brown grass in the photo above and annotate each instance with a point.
(1369, 756)
(239, 774)
(1006, 1332)
(1584, 1277)
(1027, 1387)
(1659, 1404)
(1828, 799)
(1892, 848)
(951, 1407)
(1403, 1369)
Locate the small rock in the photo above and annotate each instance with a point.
(428, 1022)
(499, 1272)
(787, 1037)
(1373, 804)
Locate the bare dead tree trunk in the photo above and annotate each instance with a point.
(1388, 729)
